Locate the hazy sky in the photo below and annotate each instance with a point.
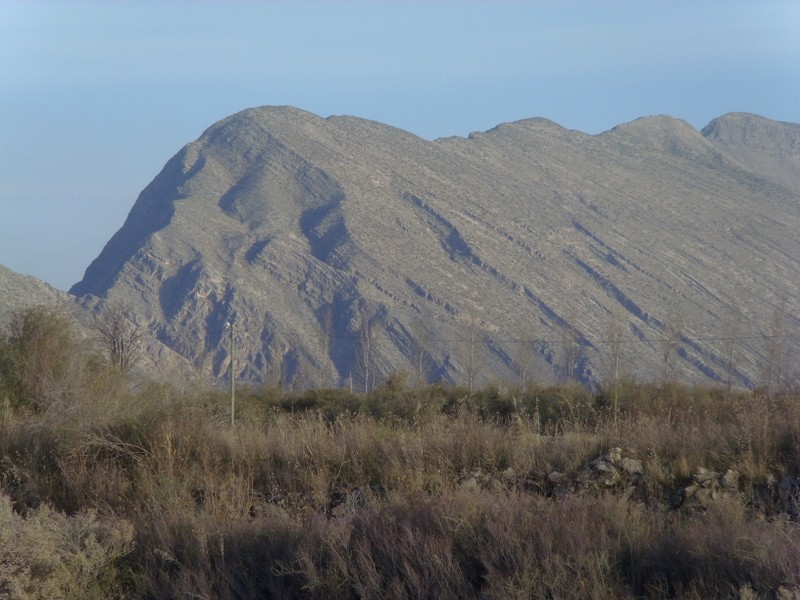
(96, 96)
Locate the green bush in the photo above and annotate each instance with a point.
(42, 361)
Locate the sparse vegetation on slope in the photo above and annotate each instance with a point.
(434, 492)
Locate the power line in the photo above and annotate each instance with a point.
(626, 339)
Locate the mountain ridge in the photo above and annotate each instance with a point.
(279, 218)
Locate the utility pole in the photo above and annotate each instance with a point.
(233, 374)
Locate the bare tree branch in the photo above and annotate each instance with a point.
(119, 335)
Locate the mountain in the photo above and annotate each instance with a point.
(345, 249)
(20, 291)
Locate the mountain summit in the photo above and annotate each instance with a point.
(342, 248)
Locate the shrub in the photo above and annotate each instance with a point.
(560, 407)
(46, 366)
(434, 492)
(49, 555)
(39, 359)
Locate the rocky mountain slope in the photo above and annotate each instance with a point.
(344, 249)
(19, 292)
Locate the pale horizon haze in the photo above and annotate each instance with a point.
(95, 97)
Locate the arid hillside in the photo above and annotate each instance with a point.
(344, 249)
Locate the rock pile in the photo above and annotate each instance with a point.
(706, 487)
(611, 470)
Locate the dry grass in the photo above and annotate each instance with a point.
(434, 493)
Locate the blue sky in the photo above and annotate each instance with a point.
(96, 96)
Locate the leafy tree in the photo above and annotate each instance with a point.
(41, 359)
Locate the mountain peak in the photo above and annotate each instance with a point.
(769, 148)
(658, 128)
(755, 132)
